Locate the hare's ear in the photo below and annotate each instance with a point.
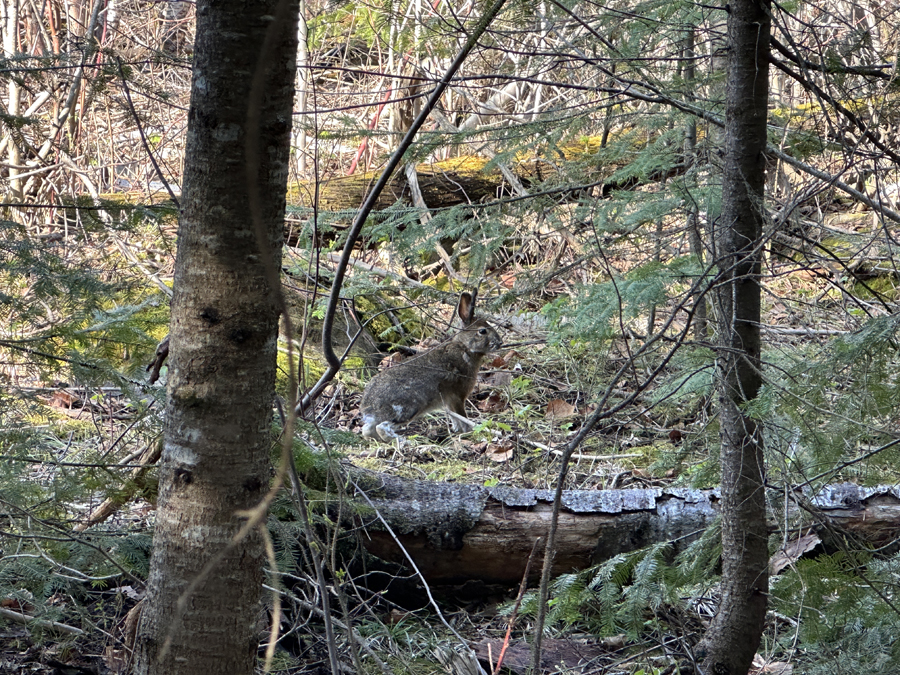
(465, 309)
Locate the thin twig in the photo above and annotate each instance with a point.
(337, 622)
(43, 623)
(137, 121)
(515, 610)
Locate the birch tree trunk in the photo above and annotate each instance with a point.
(200, 619)
(10, 33)
(735, 632)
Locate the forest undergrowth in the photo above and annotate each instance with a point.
(90, 442)
(580, 201)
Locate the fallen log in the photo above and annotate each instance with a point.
(452, 182)
(459, 533)
(456, 533)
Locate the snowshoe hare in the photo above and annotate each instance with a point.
(443, 376)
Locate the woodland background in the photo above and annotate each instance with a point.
(572, 172)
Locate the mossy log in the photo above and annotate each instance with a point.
(455, 182)
(463, 533)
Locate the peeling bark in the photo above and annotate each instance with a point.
(459, 533)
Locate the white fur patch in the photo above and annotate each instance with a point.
(386, 431)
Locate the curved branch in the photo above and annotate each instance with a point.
(334, 363)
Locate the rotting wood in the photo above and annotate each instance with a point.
(458, 533)
(453, 182)
(449, 183)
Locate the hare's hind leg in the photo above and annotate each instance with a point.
(460, 423)
(386, 432)
(456, 410)
(368, 430)
(378, 431)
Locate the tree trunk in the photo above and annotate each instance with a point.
(223, 344)
(10, 33)
(735, 632)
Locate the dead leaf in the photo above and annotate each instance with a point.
(792, 552)
(16, 605)
(558, 409)
(493, 403)
(779, 668)
(63, 399)
(391, 360)
(499, 452)
(555, 287)
(511, 355)
(116, 660)
(615, 642)
(498, 362)
(129, 629)
(129, 592)
(396, 616)
(427, 343)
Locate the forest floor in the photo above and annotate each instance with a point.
(531, 399)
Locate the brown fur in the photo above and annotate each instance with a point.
(441, 377)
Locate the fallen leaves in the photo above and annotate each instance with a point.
(499, 452)
(558, 409)
(505, 360)
(760, 665)
(493, 403)
(498, 380)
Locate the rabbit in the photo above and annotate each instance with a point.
(443, 376)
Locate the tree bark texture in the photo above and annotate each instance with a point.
(457, 534)
(224, 324)
(735, 632)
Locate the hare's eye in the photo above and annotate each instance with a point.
(482, 331)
